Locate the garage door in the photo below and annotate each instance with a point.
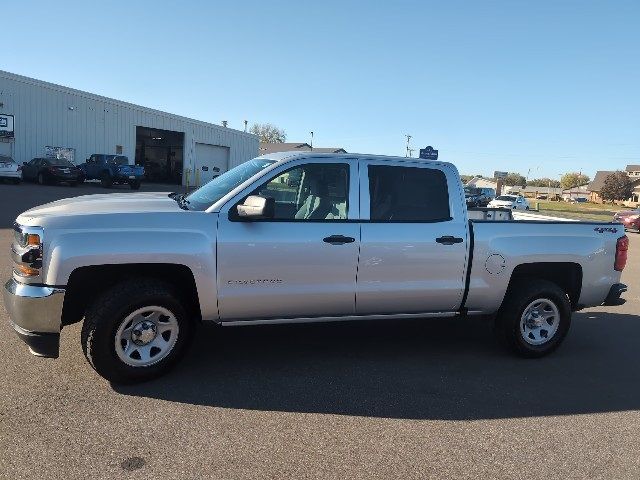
(5, 149)
(208, 159)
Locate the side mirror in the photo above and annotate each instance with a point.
(256, 206)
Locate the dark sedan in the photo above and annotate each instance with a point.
(52, 170)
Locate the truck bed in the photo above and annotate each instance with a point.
(498, 247)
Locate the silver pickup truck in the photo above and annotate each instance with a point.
(296, 237)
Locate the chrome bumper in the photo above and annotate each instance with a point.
(36, 315)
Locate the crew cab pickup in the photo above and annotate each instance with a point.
(110, 169)
(296, 237)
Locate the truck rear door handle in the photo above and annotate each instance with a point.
(449, 240)
(338, 239)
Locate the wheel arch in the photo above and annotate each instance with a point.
(567, 275)
(87, 282)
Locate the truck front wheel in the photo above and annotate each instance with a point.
(135, 331)
(534, 318)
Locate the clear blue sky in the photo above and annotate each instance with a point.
(550, 86)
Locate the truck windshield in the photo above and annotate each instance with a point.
(214, 190)
(471, 191)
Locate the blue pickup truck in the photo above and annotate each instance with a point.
(110, 169)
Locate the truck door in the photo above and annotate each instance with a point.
(414, 238)
(303, 261)
(91, 166)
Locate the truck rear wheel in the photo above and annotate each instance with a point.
(135, 331)
(534, 318)
(134, 184)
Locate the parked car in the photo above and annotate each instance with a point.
(629, 218)
(477, 197)
(515, 202)
(110, 169)
(360, 237)
(52, 170)
(10, 170)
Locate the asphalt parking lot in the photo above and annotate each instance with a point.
(404, 399)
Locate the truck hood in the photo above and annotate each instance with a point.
(112, 203)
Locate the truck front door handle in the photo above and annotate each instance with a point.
(449, 240)
(338, 239)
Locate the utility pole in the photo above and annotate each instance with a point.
(409, 151)
(311, 144)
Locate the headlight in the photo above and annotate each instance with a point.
(26, 251)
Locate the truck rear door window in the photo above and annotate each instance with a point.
(407, 194)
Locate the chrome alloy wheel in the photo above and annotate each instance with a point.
(146, 336)
(539, 322)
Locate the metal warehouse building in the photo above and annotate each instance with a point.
(39, 119)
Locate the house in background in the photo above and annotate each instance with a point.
(533, 192)
(581, 191)
(480, 182)
(633, 171)
(598, 181)
(266, 148)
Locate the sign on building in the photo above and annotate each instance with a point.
(497, 174)
(6, 126)
(429, 153)
(60, 152)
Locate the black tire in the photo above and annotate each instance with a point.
(107, 313)
(135, 185)
(517, 298)
(105, 180)
(41, 179)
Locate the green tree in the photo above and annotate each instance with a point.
(617, 186)
(268, 133)
(515, 179)
(573, 179)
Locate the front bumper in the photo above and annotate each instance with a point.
(36, 315)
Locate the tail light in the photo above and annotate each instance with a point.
(622, 249)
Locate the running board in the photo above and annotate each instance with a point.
(350, 318)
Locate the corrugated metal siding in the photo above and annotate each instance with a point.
(97, 124)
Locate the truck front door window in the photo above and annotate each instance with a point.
(309, 192)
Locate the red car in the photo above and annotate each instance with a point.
(629, 218)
